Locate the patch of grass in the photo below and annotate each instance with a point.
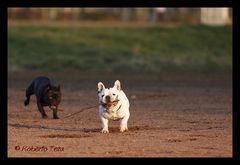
(199, 48)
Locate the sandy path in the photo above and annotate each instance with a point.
(166, 121)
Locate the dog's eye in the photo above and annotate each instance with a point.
(102, 95)
(114, 94)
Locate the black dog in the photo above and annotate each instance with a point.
(46, 94)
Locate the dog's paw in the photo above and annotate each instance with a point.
(104, 130)
(123, 129)
(44, 116)
(55, 117)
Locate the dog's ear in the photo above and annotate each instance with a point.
(100, 86)
(117, 85)
(58, 88)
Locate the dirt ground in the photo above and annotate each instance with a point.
(172, 115)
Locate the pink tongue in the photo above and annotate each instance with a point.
(109, 104)
(54, 106)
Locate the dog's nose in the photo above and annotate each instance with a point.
(108, 98)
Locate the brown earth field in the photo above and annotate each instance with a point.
(172, 115)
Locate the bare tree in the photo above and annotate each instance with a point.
(152, 15)
(128, 14)
(53, 13)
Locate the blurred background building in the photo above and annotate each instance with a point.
(209, 16)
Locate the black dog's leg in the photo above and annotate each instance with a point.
(29, 92)
(55, 114)
(41, 110)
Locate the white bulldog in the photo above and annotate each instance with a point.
(113, 105)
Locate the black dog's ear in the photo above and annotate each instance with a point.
(58, 87)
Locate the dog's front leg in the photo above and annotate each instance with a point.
(123, 123)
(55, 116)
(41, 110)
(104, 125)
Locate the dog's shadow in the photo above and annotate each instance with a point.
(86, 130)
